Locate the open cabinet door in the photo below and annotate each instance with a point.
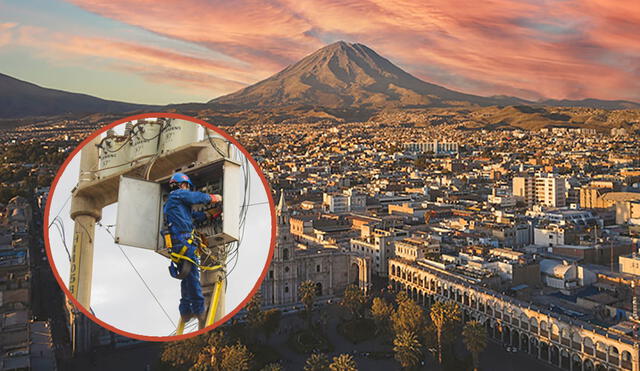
(138, 217)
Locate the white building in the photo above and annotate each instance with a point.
(550, 190)
(544, 189)
(549, 235)
(501, 198)
(564, 276)
(336, 203)
(347, 201)
(435, 147)
(378, 245)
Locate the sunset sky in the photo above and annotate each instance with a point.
(196, 50)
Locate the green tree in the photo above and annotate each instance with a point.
(443, 314)
(409, 317)
(474, 336)
(236, 358)
(343, 362)
(317, 362)
(382, 312)
(307, 294)
(192, 351)
(272, 367)
(401, 296)
(255, 316)
(407, 348)
(355, 301)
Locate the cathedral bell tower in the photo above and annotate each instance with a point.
(284, 239)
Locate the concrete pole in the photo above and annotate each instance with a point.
(85, 214)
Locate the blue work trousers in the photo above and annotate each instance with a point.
(192, 300)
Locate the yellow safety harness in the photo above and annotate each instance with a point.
(176, 257)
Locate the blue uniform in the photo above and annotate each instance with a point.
(179, 218)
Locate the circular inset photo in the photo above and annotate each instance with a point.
(159, 226)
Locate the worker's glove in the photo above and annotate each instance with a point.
(215, 198)
(213, 213)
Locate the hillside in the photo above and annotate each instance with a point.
(22, 99)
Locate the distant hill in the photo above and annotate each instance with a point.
(524, 117)
(591, 103)
(351, 75)
(22, 99)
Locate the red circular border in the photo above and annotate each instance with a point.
(160, 338)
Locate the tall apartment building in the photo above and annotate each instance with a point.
(544, 189)
(524, 187)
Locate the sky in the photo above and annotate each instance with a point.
(119, 296)
(178, 51)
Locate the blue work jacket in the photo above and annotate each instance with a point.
(177, 210)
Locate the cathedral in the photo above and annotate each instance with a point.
(332, 270)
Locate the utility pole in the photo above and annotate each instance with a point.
(85, 213)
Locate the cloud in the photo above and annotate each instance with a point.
(152, 63)
(7, 32)
(557, 49)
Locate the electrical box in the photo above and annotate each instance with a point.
(135, 226)
(138, 216)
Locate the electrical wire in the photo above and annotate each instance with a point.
(62, 208)
(63, 238)
(139, 276)
(60, 227)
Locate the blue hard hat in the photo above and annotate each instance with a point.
(180, 178)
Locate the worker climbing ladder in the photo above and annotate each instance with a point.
(139, 181)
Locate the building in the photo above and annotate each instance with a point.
(336, 203)
(554, 338)
(416, 248)
(434, 147)
(501, 198)
(332, 270)
(591, 197)
(630, 264)
(627, 206)
(543, 189)
(605, 253)
(347, 201)
(524, 188)
(550, 190)
(377, 244)
(565, 276)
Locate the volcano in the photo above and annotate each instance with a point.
(351, 75)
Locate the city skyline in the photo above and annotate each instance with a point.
(569, 49)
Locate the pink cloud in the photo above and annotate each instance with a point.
(561, 49)
(7, 32)
(154, 64)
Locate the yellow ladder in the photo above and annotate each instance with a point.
(213, 308)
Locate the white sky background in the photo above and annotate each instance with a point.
(119, 297)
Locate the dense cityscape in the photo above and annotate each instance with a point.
(526, 240)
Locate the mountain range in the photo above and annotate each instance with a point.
(341, 76)
(21, 99)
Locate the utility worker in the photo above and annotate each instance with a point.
(180, 218)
